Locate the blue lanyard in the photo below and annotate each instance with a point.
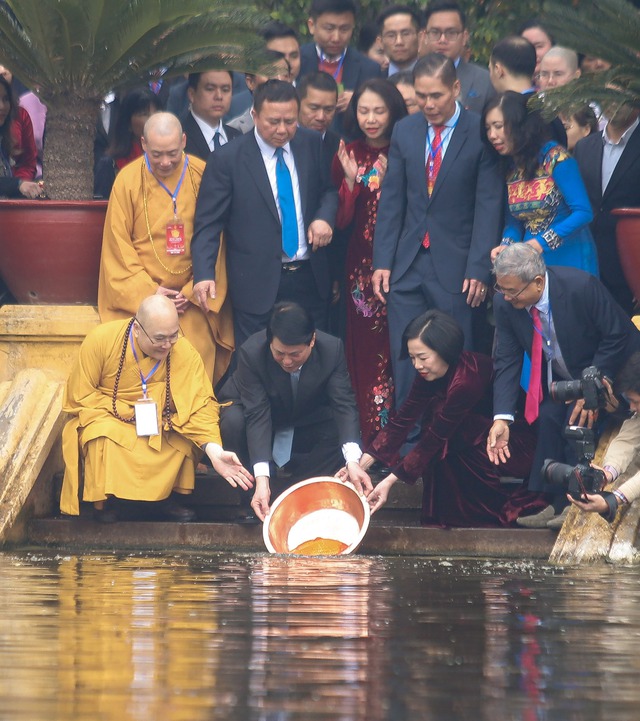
(323, 60)
(540, 331)
(143, 378)
(174, 195)
(434, 151)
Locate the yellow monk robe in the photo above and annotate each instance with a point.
(132, 266)
(116, 461)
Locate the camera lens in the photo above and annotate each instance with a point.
(563, 391)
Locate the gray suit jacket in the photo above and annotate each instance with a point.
(475, 86)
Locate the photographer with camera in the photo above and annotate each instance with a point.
(566, 321)
(621, 451)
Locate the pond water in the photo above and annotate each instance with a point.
(267, 638)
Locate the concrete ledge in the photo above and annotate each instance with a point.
(77, 534)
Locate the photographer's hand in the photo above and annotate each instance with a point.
(581, 417)
(595, 503)
(498, 442)
(612, 401)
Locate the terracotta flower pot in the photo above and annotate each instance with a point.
(50, 250)
(628, 242)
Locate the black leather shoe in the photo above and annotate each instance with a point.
(172, 511)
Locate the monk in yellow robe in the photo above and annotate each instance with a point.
(119, 364)
(146, 244)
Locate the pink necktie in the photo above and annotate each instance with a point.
(433, 168)
(534, 392)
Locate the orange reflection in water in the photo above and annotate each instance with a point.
(320, 547)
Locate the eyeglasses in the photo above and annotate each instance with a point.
(449, 33)
(509, 293)
(162, 339)
(390, 36)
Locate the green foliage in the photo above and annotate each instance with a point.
(488, 20)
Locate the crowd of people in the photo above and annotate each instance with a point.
(399, 197)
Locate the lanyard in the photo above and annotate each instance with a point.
(434, 151)
(143, 378)
(540, 331)
(324, 61)
(174, 195)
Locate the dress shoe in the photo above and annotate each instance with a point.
(105, 515)
(557, 521)
(248, 518)
(172, 511)
(538, 520)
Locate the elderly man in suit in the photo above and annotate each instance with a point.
(445, 32)
(609, 163)
(293, 405)
(210, 97)
(566, 321)
(269, 192)
(440, 213)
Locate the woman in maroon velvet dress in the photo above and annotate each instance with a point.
(451, 400)
(358, 171)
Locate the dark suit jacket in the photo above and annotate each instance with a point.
(264, 390)
(590, 326)
(475, 86)
(235, 197)
(464, 215)
(623, 191)
(330, 144)
(196, 144)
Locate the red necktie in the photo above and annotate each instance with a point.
(534, 392)
(434, 162)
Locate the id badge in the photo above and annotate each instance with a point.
(146, 413)
(175, 237)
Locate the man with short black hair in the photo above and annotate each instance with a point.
(318, 93)
(269, 192)
(399, 30)
(210, 97)
(445, 32)
(293, 405)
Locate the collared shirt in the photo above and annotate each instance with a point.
(446, 135)
(210, 130)
(393, 68)
(268, 153)
(612, 152)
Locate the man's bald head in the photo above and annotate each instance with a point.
(156, 307)
(157, 326)
(163, 142)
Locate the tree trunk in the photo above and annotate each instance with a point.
(68, 148)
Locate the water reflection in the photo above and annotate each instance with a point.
(267, 638)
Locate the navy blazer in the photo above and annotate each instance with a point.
(324, 393)
(592, 329)
(464, 215)
(236, 197)
(196, 143)
(355, 70)
(623, 191)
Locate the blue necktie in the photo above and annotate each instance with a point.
(287, 206)
(216, 141)
(283, 439)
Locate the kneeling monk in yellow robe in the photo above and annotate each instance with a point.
(142, 411)
(146, 244)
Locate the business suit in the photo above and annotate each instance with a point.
(323, 414)
(463, 217)
(236, 197)
(196, 143)
(356, 68)
(591, 329)
(623, 191)
(475, 86)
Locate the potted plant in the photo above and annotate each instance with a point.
(73, 52)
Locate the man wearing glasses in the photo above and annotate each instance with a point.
(446, 33)
(566, 321)
(142, 412)
(400, 35)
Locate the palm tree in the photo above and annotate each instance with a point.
(73, 52)
(608, 29)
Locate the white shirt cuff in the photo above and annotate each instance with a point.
(351, 452)
(261, 469)
(504, 417)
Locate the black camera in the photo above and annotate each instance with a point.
(581, 478)
(590, 387)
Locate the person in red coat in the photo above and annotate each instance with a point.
(451, 401)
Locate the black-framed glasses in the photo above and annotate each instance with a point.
(405, 34)
(162, 339)
(449, 33)
(511, 294)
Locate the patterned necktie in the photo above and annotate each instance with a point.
(216, 141)
(287, 206)
(534, 392)
(432, 169)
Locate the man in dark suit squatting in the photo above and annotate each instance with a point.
(293, 405)
(269, 192)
